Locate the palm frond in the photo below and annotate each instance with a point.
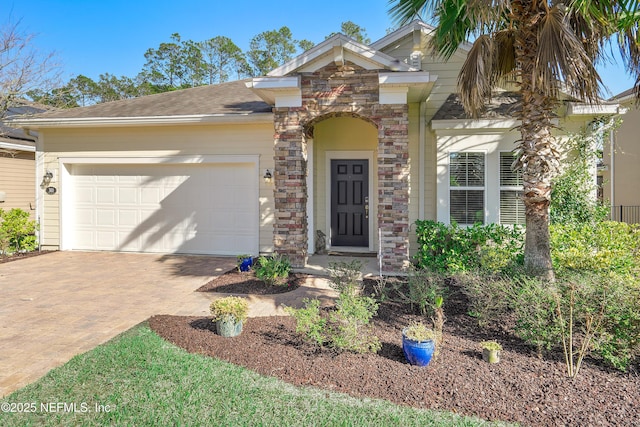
(404, 11)
(475, 78)
(561, 57)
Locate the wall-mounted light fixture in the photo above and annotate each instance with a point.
(46, 179)
(2, 196)
(267, 176)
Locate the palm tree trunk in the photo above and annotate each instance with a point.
(537, 156)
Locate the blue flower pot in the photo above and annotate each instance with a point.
(246, 264)
(418, 353)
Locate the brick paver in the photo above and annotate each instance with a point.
(57, 305)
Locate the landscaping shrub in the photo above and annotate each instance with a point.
(423, 288)
(572, 195)
(450, 248)
(17, 231)
(583, 314)
(273, 270)
(489, 296)
(600, 247)
(346, 327)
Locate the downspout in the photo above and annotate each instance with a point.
(421, 185)
(39, 165)
(612, 166)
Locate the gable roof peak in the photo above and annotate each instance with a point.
(336, 48)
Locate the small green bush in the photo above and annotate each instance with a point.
(489, 297)
(309, 321)
(229, 308)
(601, 247)
(419, 332)
(450, 248)
(17, 231)
(273, 270)
(423, 288)
(347, 327)
(344, 276)
(583, 314)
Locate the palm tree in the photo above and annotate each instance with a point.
(543, 46)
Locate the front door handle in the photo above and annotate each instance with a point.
(366, 207)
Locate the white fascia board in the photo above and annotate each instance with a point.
(144, 121)
(19, 147)
(467, 124)
(479, 125)
(411, 78)
(393, 95)
(274, 83)
(579, 109)
(278, 91)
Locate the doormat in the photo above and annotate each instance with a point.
(353, 254)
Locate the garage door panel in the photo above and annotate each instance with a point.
(106, 195)
(105, 240)
(199, 209)
(105, 218)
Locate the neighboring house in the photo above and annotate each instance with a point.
(17, 163)
(355, 141)
(621, 174)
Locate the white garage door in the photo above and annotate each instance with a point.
(165, 208)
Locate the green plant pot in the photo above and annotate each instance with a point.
(228, 328)
(490, 356)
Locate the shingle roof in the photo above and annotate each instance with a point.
(501, 106)
(623, 94)
(17, 135)
(223, 98)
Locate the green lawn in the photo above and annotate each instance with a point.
(139, 379)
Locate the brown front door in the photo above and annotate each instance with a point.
(350, 203)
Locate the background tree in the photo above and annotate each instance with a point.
(222, 59)
(544, 46)
(166, 66)
(270, 49)
(22, 67)
(355, 31)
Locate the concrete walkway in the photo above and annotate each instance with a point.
(58, 305)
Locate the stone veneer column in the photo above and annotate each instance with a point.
(393, 186)
(290, 193)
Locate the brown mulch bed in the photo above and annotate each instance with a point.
(521, 388)
(245, 282)
(18, 256)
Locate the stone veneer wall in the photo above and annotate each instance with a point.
(338, 91)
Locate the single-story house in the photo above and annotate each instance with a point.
(355, 141)
(17, 162)
(621, 156)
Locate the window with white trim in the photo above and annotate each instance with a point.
(511, 205)
(466, 187)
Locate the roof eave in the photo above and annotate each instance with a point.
(42, 123)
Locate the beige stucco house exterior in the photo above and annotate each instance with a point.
(621, 157)
(355, 141)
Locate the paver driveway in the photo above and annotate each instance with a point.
(57, 305)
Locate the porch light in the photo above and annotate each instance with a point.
(267, 176)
